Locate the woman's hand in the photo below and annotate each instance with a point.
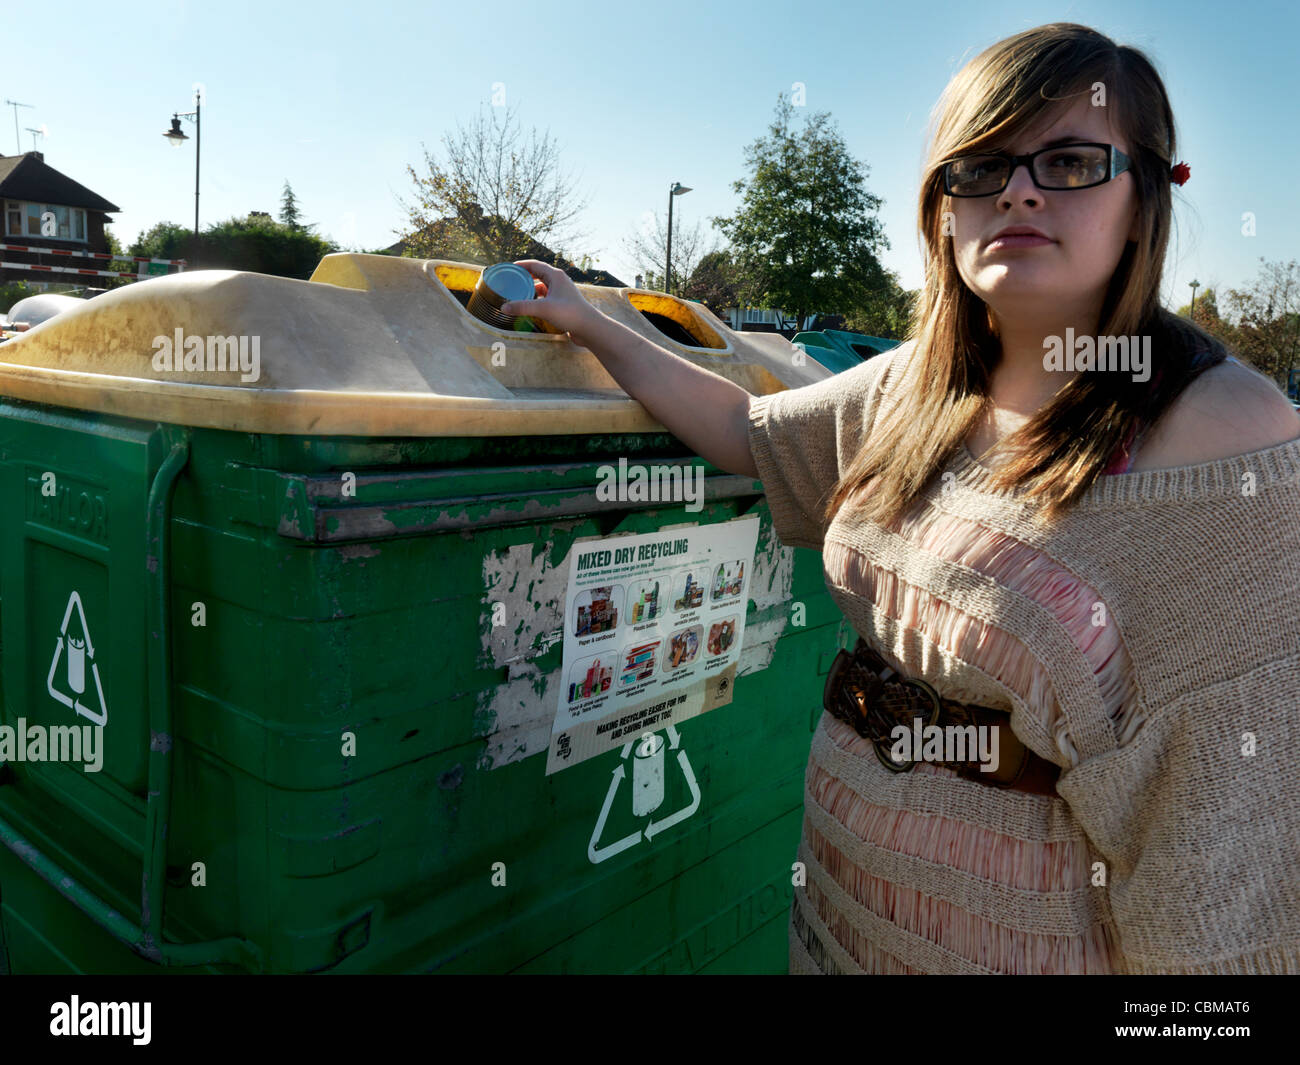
(558, 301)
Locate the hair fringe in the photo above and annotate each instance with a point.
(1064, 448)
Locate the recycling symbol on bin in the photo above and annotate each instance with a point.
(647, 784)
(73, 648)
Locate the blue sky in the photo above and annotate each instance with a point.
(338, 99)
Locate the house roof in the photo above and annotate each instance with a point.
(29, 177)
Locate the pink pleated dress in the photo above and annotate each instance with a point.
(960, 940)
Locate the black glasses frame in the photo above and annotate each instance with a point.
(1119, 162)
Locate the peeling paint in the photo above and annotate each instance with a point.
(519, 713)
(532, 590)
(289, 525)
(770, 592)
(347, 552)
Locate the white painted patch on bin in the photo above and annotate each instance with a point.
(531, 592)
(770, 591)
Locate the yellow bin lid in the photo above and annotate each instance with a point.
(372, 345)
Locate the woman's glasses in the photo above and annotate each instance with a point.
(1067, 166)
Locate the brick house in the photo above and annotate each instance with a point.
(29, 188)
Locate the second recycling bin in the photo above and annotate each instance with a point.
(315, 607)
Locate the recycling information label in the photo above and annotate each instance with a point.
(653, 627)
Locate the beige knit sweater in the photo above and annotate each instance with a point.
(1199, 570)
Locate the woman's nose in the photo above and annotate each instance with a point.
(1020, 185)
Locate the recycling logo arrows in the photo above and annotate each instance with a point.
(73, 648)
(648, 776)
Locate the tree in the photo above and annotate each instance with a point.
(806, 237)
(1266, 330)
(1207, 316)
(117, 266)
(887, 311)
(712, 282)
(649, 250)
(494, 200)
(164, 240)
(289, 207)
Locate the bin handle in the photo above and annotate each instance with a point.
(147, 940)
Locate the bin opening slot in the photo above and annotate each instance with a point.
(459, 281)
(676, 320)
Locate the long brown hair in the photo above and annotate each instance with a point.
(1065, 446)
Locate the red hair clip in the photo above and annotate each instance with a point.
(1180, 173)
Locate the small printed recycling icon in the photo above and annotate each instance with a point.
(647, 784)
(74, 652)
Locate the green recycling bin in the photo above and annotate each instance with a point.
(289, 590)
(839, 350)
(830, 353)
(862, 344)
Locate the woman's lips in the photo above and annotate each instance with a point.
(1017, 240)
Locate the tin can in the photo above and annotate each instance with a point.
(501, 283)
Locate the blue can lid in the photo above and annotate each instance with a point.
(510, 282)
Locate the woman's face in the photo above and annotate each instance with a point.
(1087, 229)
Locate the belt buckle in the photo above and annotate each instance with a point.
(881, 747)
(830, 689)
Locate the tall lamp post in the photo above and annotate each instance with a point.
(177, 138)
(677, 189)
(1195, 285)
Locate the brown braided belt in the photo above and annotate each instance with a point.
(863, 690)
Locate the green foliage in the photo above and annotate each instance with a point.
(806, 237)
(713, 283)
(165, 240)
(256, 243)
(128, 270)
(1259, 322)
(885, 312)
(13, 291)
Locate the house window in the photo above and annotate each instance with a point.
(24, 220)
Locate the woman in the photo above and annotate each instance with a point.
(1118, 571)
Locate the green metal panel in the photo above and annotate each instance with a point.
(249, 607)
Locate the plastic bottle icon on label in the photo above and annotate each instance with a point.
(648, 775)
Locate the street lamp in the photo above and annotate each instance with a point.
(677, 190)
(1195, 285)
(177, 138)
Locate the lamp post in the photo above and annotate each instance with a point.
(677, 189)
(177, 138)
(1195, 285)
